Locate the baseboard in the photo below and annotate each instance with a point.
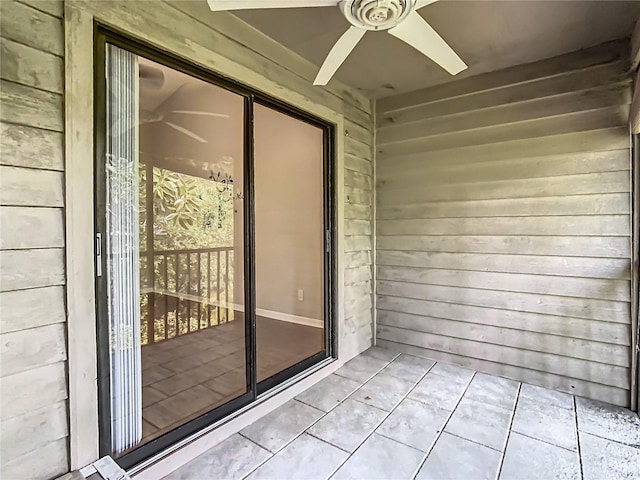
(286, 317)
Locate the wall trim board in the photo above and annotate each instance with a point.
(635, 271)
(374, 273)
(81, 324)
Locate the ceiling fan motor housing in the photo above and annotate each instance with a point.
(376, 14)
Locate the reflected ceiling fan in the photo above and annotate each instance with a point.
(154, 78)
(399, 17)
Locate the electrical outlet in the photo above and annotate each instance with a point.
(300, 294)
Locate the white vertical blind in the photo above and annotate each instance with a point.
(123, 248)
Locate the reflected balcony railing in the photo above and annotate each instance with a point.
(185, 291)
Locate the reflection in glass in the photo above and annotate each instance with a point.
(185, 171)
(289, 240)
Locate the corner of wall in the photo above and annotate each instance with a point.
(374, 233)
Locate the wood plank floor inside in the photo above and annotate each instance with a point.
(187, 376)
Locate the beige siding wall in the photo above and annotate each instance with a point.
(503, 223)
(33, 392)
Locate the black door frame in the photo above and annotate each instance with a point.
(105, 35)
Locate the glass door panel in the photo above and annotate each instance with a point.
(176, 237)
(174, 247)
(289, 240)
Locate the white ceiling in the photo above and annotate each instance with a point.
(488, 35)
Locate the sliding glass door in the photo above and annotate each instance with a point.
(289, 241)
(213, 244)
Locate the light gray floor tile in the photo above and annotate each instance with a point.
(306, 458)
(233, 458)
(468, 449)
(607, 421)
(546, 422)
(409, 367)
(440, 391)
(604, 459)
(279, 427)
(380, 353)
(547, 396)
(454, 458)
(530, 459)
(480, 422)
(327, 393)
(381, 458)
(493, 390)
(348, 424)
(414, 423)
(384, 391)
(361, 368)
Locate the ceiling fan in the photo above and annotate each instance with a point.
(154, 78)
(399, 17)
(147, 116)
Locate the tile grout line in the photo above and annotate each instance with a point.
(369, 378)
(543, 441)
(513, 416)
(373, 431)
(441, 431)
(327, 442)
(473, 441)
(575, 413)
(399, 441)
(608, 439)
(273, 454)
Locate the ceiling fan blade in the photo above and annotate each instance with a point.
(415, 31)
(424, 3)
(151, 76)
(340, 51)
(220, 5)
(206, 114)
(188, 133)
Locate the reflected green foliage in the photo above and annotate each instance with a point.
(189, 213)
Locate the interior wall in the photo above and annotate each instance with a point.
(503, 223)
(289, 215)
(33, 388)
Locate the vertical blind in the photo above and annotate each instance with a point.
(122, 248)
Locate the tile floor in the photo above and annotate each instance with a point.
(189, 375)
(394, 416)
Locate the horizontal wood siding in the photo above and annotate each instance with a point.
(503, 223)
(33, 385)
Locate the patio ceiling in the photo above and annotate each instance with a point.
(488, 35)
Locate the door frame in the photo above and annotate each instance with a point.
(80, 18)
(106, 35)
